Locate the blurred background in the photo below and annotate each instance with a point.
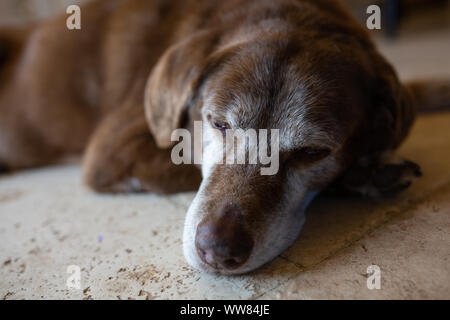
(398, 15)
(23, 11)
(415, 34)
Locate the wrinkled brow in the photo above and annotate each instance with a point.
(300, 124)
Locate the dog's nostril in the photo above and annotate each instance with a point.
(222, 239)
(231, 263)
(202, 254)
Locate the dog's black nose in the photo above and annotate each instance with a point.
(222, 240)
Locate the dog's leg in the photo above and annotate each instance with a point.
(386, 175)
(22, 144)
(122, 157)
(48, 92)
(22, 147)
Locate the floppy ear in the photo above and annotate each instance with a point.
(174, 83)
(375, 171)
(393, 113)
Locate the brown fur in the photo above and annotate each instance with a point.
(139, 69)
(64, 83)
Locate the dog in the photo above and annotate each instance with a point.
(137, 70)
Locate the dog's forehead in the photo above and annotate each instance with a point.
(300, 111)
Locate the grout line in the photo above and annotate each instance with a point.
(297, 265)
(445, 187)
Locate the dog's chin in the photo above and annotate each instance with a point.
(203, 267)
(190, 252)
(262, 254)
(281, 235)
(270, 246)
(194, 261)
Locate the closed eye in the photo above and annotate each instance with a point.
(219, 125)
(309, 154)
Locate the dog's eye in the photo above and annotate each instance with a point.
(222, 126)
(309, 154)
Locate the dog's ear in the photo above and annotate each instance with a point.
(393, 111)
(174, 84)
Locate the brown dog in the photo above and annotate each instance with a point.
(138, 69)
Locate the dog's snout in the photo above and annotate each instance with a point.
(222, 240)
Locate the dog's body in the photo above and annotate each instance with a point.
(303, 67)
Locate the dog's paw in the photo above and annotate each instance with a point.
(381, 179)
(392, 178)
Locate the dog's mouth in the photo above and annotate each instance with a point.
(223, 243)
(222, 240)
(219, 243)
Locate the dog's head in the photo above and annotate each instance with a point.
(332, 102)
